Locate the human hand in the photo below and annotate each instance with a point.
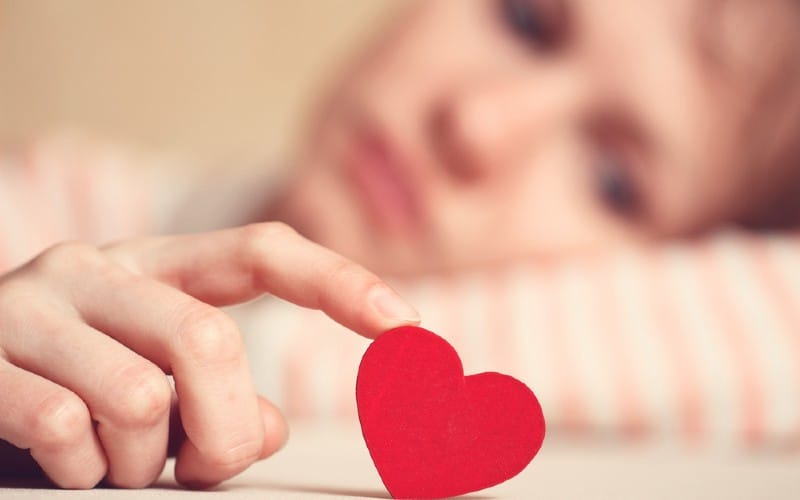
(88, 336)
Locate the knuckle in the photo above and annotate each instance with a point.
(59, 421)
(208, 336)
(144, 396)
(124, 252)
(66, 255)
(258, 238)
(272, 229)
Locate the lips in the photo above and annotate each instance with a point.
(382, 182)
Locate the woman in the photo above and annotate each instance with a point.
(472, 133)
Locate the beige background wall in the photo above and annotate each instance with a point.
(210, 77)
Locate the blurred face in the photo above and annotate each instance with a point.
(483, 130)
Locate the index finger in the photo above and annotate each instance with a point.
(236, 265)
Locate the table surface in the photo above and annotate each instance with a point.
(331, 462)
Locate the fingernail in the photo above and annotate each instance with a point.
(391, 306)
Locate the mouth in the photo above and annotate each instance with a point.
(381, 179)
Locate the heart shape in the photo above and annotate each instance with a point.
(431, 431)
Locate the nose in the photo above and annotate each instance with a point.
(479, 128)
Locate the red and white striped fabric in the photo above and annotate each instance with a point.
(695, 342)
(66, 189)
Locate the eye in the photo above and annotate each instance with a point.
(615, 185)
(537, 22)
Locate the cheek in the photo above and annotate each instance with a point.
(322, 210)
(561, 212)
(544, 208)
(549, 209)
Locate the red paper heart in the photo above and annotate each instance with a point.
(431, 431)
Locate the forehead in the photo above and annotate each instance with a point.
(723, 33)
(689, 71)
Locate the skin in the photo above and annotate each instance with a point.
(464, 136)
(91, 333)
(601, 124)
